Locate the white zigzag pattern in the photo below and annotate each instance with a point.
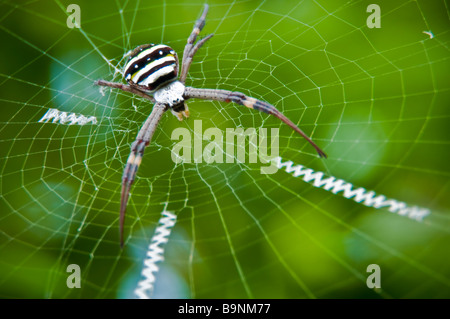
(67, 118)
(359, 195)
(154, 255)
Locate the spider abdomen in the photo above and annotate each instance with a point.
(151, 66)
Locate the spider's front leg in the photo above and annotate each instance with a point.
(250, 102)
(126, 88)
(143, 139)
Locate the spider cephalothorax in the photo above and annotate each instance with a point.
(152, 73)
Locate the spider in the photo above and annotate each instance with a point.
(152, 73)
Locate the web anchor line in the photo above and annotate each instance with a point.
(359, 195)
(155, 254)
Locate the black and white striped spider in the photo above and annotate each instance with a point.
(152, 73)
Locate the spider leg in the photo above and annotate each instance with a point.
(250, 102)
(126, 88)
(190, 49)
(134, 159)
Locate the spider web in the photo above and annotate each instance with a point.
(376, 100)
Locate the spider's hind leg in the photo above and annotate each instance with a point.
(190, 49)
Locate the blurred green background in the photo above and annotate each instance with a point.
(376, 100)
